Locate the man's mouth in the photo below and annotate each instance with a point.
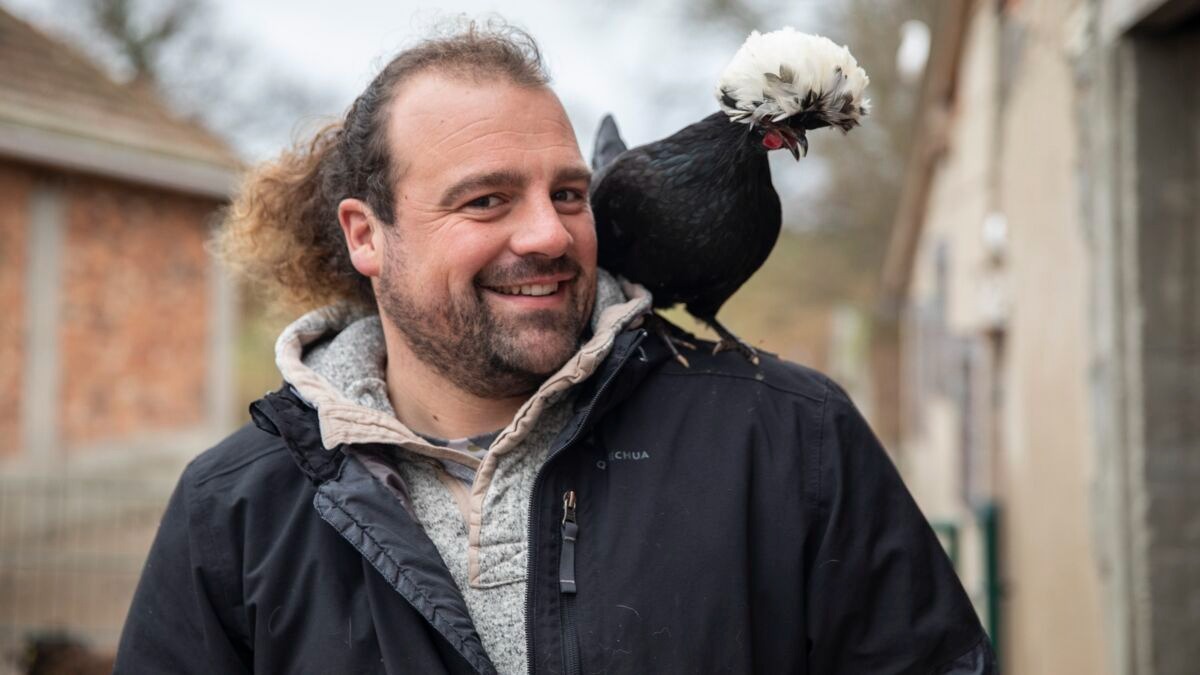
(535, 290)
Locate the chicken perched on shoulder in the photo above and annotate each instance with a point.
(691, 217)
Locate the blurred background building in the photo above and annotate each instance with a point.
(1045, 264)
(115, 350)
(1001, 266)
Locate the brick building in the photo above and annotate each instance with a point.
(1045, 262)
(117, 336)
(117, 323)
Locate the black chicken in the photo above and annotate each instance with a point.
(691, 217)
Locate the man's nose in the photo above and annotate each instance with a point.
(540, 229)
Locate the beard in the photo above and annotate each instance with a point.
(481, 351)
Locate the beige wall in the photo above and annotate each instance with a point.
(1053, 613)
(15, 188)
(1016, 156)
(958, 203)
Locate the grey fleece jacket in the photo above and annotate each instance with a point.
(335, 359)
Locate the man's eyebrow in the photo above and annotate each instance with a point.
(573, 173)
(480, 181)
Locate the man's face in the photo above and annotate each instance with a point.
(489, 271)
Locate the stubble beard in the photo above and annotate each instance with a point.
(477, 351)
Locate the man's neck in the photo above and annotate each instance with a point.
(429, 404)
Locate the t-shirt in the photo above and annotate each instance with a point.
(476, 446)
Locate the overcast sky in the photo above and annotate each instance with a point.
(613, 56)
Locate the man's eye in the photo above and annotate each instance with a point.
(567, 195)
(486, 202)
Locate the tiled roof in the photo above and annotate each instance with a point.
(48, 89)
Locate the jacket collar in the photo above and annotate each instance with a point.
(355, 409)
(286, 414)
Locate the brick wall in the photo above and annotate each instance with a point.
(15, 187)
(136, 304)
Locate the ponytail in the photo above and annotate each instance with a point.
(282, 233)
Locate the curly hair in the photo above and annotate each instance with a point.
(281, 233)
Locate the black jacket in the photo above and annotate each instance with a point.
(727, 519)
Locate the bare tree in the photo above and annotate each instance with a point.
(137, 38)
(176, 48)
(866, 170)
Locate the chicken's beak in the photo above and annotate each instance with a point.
(797, 144)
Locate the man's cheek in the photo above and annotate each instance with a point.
(586, 244)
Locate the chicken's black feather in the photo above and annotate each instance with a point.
(694, 215)
(690, 217)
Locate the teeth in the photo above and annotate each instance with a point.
(528, 289)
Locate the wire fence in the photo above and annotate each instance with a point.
(71, 552)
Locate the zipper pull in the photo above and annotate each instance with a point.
(570, 532)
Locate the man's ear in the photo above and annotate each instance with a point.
(364, 236)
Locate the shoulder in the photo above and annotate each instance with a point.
(776, 395)
(724, 401)
(249, 449)
(731, 374)
(244, 464)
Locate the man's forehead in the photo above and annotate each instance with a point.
(447, 114)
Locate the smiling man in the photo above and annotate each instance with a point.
(479, 463)
(489, 281)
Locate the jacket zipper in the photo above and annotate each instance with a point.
(566, 586)
(531, 531)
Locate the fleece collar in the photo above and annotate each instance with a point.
(335, 358)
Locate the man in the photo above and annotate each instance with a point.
(479, 463)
